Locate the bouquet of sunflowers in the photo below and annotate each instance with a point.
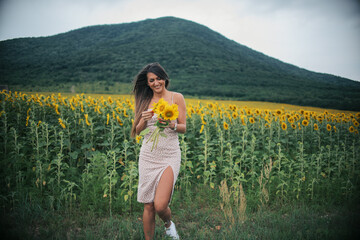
(165, 113)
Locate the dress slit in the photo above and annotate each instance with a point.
(158, 180)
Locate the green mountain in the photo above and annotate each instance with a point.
(199, 61)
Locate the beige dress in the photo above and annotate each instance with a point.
(152, 164)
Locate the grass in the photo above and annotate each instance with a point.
(197, 216)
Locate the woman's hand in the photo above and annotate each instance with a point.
(147, 115)
(164, 123)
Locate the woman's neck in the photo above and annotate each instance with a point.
(162, 94)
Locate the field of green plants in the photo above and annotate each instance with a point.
(74, 155)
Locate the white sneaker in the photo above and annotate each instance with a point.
(171, 231)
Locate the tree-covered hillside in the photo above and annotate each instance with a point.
(200, 62)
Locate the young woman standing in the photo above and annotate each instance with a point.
(158, 168)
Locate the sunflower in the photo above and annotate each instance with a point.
(62, 123)
(125, 114)
(293, 126)
(110, 100)
(251, 120)
(27, 120)
(202, 128)
(202, 119)
(119, 121)
(226, 126)
(351, 129)
(316, 127)
(234, 115)
(269, 120)
(283, 126)
(87, 120)
(189, 113)
(328, 127)
(305, 122)
(138, 138)
(57, 109)
(320, 119)
(243, 120)
(159, 107)
(170, 112)
(335, 128)
(291, 120)
(267, 125)
(278, 112)
(356, 123)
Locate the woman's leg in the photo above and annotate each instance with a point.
(163, 194)
(149, 220)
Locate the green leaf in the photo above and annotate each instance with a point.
(144, 132)
(85, 146)
(74, 155)
(189, 164)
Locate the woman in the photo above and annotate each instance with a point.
(159, 168)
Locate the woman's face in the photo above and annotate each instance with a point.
(155, 83)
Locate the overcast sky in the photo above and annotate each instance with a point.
(318, 35)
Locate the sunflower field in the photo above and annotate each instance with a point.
(67, 152)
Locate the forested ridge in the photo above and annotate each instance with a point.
(199, 61)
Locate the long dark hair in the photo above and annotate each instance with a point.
(143, 93)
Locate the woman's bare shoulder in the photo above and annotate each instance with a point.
(177, 96)
(179, 99)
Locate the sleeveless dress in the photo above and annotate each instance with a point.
(152, 164)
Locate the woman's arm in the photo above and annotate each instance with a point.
(141, 126)
(181, 121)
(145, 116)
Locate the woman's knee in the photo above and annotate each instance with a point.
(149, 207)
(160, 207)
